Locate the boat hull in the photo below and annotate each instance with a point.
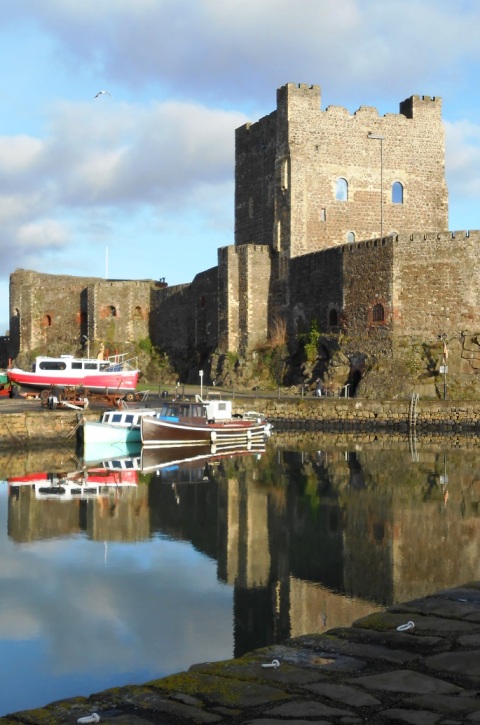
(101, 383)
(171, 432)
(96, 432)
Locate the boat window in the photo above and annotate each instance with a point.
(52, 365)
(222, 406)
(117, 418)
(91, 366)
(129, 418)
(76, 365)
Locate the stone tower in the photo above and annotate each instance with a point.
(307, 179)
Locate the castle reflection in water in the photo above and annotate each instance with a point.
(312, 533)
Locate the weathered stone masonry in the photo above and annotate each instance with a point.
(313, 191)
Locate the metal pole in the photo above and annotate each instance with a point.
(380, 138)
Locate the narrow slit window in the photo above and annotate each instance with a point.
(378, 313)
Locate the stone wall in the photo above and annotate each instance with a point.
(45, 309)
(118, 311)
(435, 283)
(184, 320)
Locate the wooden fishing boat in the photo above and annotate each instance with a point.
(180, 423)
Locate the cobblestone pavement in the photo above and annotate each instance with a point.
(416, 663)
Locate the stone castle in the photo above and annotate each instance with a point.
(340, 221)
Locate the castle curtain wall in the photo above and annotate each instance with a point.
(171, 327)
(205, 311)
(316, 283)
(436, 285)
(368, 315)
(118, 311)
(45, 310)
(343, 288)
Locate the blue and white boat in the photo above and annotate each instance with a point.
(115, 426)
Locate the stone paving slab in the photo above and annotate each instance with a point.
(368, 673)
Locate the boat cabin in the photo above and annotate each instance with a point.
(68, 362)
(210, 410)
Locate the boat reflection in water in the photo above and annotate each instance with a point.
(111, 474)
(76, 484)
(163, 461)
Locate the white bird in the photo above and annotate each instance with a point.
(103, 93)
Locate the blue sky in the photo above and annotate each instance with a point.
(139, 184)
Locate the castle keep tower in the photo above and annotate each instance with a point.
(307, 179)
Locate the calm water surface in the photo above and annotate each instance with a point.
(115, 578)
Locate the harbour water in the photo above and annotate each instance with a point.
(111, 575)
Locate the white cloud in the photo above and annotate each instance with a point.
(44, 234)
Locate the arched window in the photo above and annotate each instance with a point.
(397, 193)
(333, 318)
(378, 314)
(47, 321)
(350, 237)
(341, 190)
(138, 313)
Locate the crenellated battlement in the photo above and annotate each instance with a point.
(295, 91)
(421, 104)
(441, 236)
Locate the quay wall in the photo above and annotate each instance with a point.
(350, 413)
(36, 427)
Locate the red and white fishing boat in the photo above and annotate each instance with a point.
(116, 374)
(181, 423)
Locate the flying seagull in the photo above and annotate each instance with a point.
(103, 93)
